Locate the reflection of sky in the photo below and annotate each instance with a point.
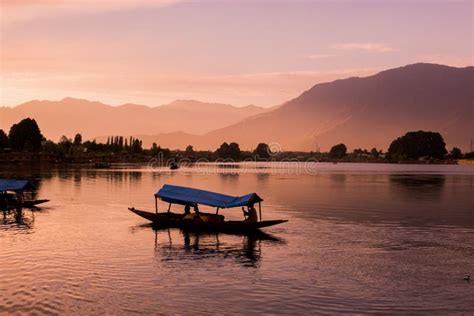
(360, 192)
(356, 242)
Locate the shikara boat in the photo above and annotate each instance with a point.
(16, 193)
(204, 221)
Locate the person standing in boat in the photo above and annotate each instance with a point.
(250, 214)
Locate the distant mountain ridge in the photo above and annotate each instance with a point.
(69, 116)
(366, 112)
(359, 112)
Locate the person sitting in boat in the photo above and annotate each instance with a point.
(251, 214)
(196, 216)
(187, 209)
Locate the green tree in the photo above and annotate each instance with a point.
(414, 145)
(77, 139)
(25, 136)
(49, 147)
(375, 153)
(262, 151)
(64, 145)
(136, 146)
(357, 152)
(154, 149)
(456, 153)
(223, 151)
(189, 150)
(234, 151)
(4, 143)
(338, 151)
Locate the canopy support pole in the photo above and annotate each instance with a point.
(260, 210)
(217, 211)
(156, 205)
(169, 208)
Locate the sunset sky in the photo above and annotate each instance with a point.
(237, 52)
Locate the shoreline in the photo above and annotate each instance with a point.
(110, 160)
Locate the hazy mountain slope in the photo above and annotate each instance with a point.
(360, 112)
(70, 116)
(366, 112)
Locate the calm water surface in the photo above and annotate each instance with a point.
(364, 238)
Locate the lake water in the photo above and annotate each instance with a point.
(363, 238)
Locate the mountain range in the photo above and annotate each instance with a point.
(359, 112)
(367, 112)
(93, 119)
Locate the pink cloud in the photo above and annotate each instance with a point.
(368, 47)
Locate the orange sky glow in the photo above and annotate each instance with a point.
(237, 52)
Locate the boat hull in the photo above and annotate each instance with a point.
(27, 203)
(163, 220)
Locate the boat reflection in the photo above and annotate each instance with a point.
(17, 219)
(247, 250)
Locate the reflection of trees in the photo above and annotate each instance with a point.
(262, 177)
(228, 166)
(114, 176)
(338, 177)
(414, 187)
(245, 249)
(418, 182)
(229, 178)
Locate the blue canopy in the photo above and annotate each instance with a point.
(189, 196)
(15, 185)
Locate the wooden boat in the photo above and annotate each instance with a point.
(170, 219)
(204, 221)
(13, 194)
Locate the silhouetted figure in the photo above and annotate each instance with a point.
(196, 209)
(467, 279)
(187, 210)
(250, 214)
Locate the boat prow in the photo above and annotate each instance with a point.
(147, 215)
(33, 203)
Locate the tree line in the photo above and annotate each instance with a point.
(411, 146)
(26, 136)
